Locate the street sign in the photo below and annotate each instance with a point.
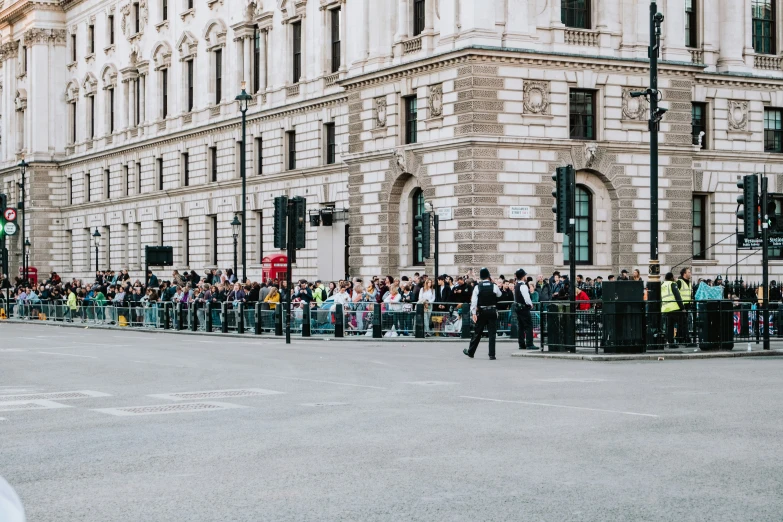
(444, 213)
(10, 228)
(755, 244)
(10, 214)
(519, 213)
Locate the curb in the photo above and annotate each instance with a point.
(647, 356)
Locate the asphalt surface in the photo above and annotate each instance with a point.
(368, 431)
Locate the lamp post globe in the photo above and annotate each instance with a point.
(96, 242)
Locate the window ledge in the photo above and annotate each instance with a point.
(21, 75)
(211, 3)
(71, 66)
(109, 49)
(161, 26)
(189, 12)
(89, 58)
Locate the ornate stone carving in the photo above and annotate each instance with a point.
(591, 151)
(634, 108)
(380, 112)
(436, 101)
(738, 115)
(399, 159)
(126, 24)
(20, 101)
(535, 97)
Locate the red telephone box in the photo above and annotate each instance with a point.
(32, 274)
(274, 267)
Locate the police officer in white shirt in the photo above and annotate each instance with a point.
(483, 308)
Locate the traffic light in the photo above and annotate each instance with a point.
(281, 205)
(560, 208)
(300, 213)
(425, 235)
(748, 202)
(773, 223)
(3, 206)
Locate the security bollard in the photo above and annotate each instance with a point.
(166, 316)
(241, 318)
(224, 318)
(377, 332)
(339, 321)
(419, 328)
(258, 319)
(279, 319)
(193, 309)
(465, 312)
(208, 318)
(307, 317)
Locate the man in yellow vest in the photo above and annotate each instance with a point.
(686, 293)
(671, 306)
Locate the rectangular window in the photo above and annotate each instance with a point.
(691, 39)
(24, 58)
(259, 149)
(186, 242)
(190, 4)
(218, 76)
(773, 130)
(699, 226)
(137, 85)
(164, 8)
(92, 116)
(111, 110)
(575, 13)
(214, 237)
(164, 80)
(73, 47)
(137, 181)
(185, 169)
(335, 14)
(106, 184)
(331, 143)
(91, 36)
(291, 140)
(699, 123)
(136, 18)
(87, 187)
(69, 190)
(583, 248)
(238, 167)
(190, 85)
(69, 248)
(256, 59)
(125, 180)
(419, 17)
(125, 245)
(582, 115)
(159, 169)
(296, 27)
(73, 121)
(764, 34)
(160, 232)
(110, 22)
(259, 237)
(411, 118)
(213, 164)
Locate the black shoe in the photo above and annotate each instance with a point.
(532, 348)
(491, 358)
(466, 352)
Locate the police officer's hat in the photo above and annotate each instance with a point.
(520, 273)
(484, 273)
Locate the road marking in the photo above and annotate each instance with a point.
(98, 344)
(31, 405)
(430, 383)
(162, 409)
(321, 404)
(567, 379)
(70, 355)
(215, 394)
(58, 396)
(560, 406)
(324, 382)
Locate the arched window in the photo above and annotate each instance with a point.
(584, 228)
(418, 210)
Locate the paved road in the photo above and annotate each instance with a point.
(324, 430)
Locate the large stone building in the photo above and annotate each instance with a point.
(125, 112)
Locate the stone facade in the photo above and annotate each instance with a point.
(491, 90)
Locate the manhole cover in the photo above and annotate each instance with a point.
(160, 409)
(60, 396)
(215, 394)
(324, 404)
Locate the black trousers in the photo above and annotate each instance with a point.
(525, 324)
(486, 319)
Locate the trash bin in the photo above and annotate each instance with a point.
(560, 328)
(716, 325)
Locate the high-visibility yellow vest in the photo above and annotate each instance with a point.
(685, 291)
(668, 302)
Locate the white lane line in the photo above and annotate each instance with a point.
(560, 406)
(98, 344)
(57, 396)
(69, 355)
(215, 394)
(324, 382)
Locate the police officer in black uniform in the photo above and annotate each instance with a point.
(522, 307)
(483, 308)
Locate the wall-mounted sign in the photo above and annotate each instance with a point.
(10, 228)
(444, 213)
(519, 213)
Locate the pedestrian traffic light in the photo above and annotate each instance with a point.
(281, 206)
(425, 235)
(300, 213)
(3, 205)
(772, 218)
(748, 202)
(560, 208)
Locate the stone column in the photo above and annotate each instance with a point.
(732, 35)
(402, 21)
(263, 62)
(131, 103)
(674, 32)
(343, 38)
(517, 24)
(608, 24)
(142, 98)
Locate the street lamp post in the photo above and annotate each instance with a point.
(244, 99)
(236, 226)
(96, 242)
(20, 206)
(27, 254)
(436, 225)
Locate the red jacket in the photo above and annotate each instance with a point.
(582, 296)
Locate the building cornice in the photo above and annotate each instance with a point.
(22, 8)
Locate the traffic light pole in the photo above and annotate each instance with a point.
(291, 254)
(436, 224)
(765, 262)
